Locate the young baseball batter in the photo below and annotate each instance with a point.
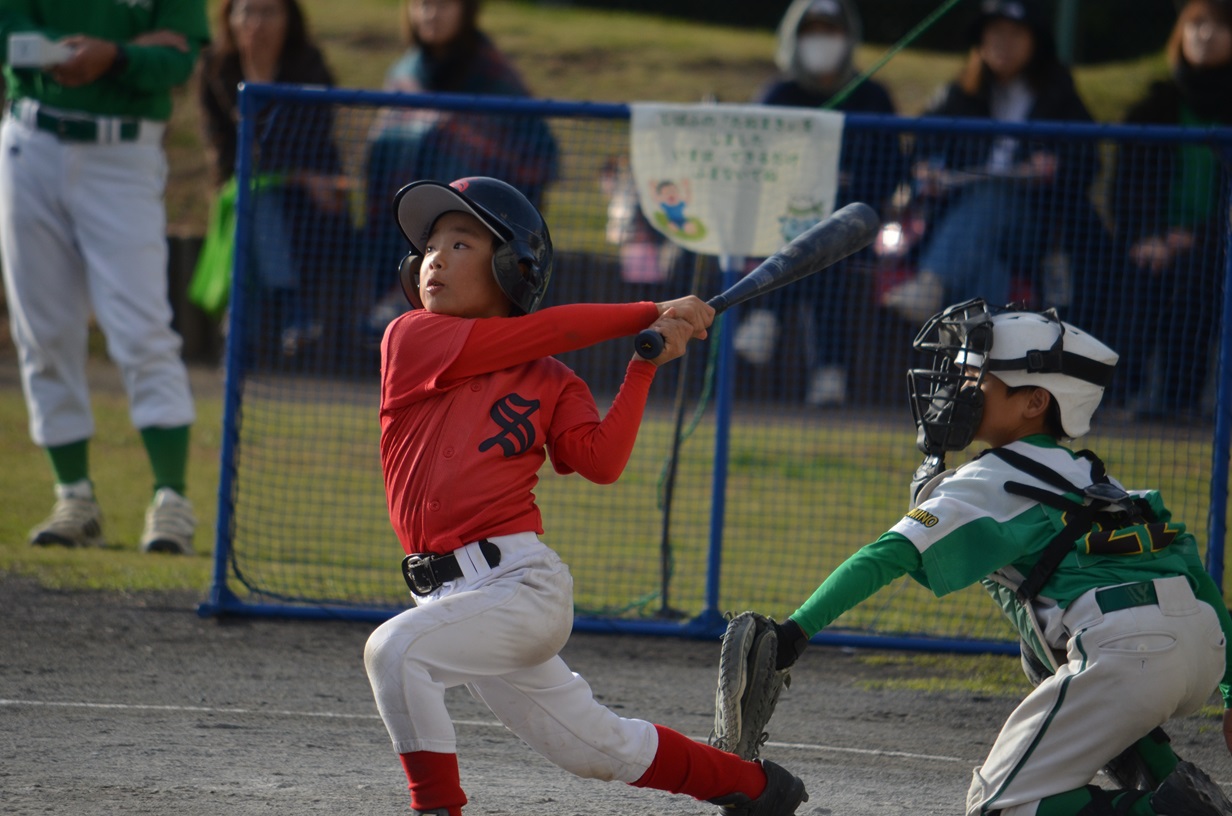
(1107, 591)
(472, 402)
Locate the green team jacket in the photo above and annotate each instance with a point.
(970, 528)
(143, 88)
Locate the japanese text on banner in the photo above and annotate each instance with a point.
(734, 179)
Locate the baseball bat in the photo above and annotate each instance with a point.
(827, 242)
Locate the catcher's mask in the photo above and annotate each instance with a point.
(970, 340)
(522, 259)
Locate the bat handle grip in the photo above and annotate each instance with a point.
(648, 344)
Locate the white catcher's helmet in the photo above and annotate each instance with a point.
(1020, 348)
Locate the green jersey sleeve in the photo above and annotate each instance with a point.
(856, 579)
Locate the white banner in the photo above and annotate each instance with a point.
(734, 179)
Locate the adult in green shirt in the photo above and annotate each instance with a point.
(83, 230)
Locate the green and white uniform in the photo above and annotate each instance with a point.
(1129, 659)
(82, 219)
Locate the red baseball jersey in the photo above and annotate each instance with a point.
(471, 407)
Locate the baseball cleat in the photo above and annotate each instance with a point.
(169, 524)
(75, 521)
(1189, 792)
(783, 794)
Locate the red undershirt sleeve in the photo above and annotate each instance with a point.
(496, 343)
(599, 451)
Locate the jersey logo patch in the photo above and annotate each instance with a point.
(512, 413)
(924, 517)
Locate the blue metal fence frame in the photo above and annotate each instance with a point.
(709, 624)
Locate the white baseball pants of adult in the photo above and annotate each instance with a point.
(498, 631)
(1127, 672)
(83, 227)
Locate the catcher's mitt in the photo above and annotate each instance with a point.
(749, 685)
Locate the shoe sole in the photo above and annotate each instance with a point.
(165, 546)
(54, 540)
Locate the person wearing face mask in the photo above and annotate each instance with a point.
(998, 198)
(817, 40)
(1172, 219)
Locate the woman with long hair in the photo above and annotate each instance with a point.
(301, 202)
(446, 52)
(1172, 221)
(1001, 196)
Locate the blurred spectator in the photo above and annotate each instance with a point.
(999, 198)
(651, 266)
(446, 52)
(817, 40)
(1173, 220)
(299, 191)
(83, 230)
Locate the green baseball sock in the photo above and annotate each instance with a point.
(70, 463)
(168, 452)
(1157, 754)
(1076, 802)
(1065, 804)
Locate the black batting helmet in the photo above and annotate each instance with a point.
(522, 260)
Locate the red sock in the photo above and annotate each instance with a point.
(682, 765)
(434, 781)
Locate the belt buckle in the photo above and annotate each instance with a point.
(414, 568)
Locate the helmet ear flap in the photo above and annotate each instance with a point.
(519, 276)
(408, 276)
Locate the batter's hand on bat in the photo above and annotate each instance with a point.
(691, 309)
(676, 333)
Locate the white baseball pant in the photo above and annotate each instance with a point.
(84, 227)
(498, 631)
(1127, 672)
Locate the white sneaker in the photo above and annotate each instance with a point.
(75, 521)
(828, 387)
(169, 524)
(917, 299)
(756, 336)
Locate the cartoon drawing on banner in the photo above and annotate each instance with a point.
(803, 211)
(672, 197)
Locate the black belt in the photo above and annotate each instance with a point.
(425, 573)
(1114, 599)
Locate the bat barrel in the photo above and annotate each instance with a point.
(827, 242)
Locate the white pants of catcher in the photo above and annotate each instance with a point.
(497, 631)
(83, 228)
(1127, 673)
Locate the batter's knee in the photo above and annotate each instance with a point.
(378, 650)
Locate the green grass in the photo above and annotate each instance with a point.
(123, 484)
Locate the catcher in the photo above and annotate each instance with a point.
(1122, 628)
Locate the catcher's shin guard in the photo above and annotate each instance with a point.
(783, 794)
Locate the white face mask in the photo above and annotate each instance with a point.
(821, 53)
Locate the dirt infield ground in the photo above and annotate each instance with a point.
(132, 704)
